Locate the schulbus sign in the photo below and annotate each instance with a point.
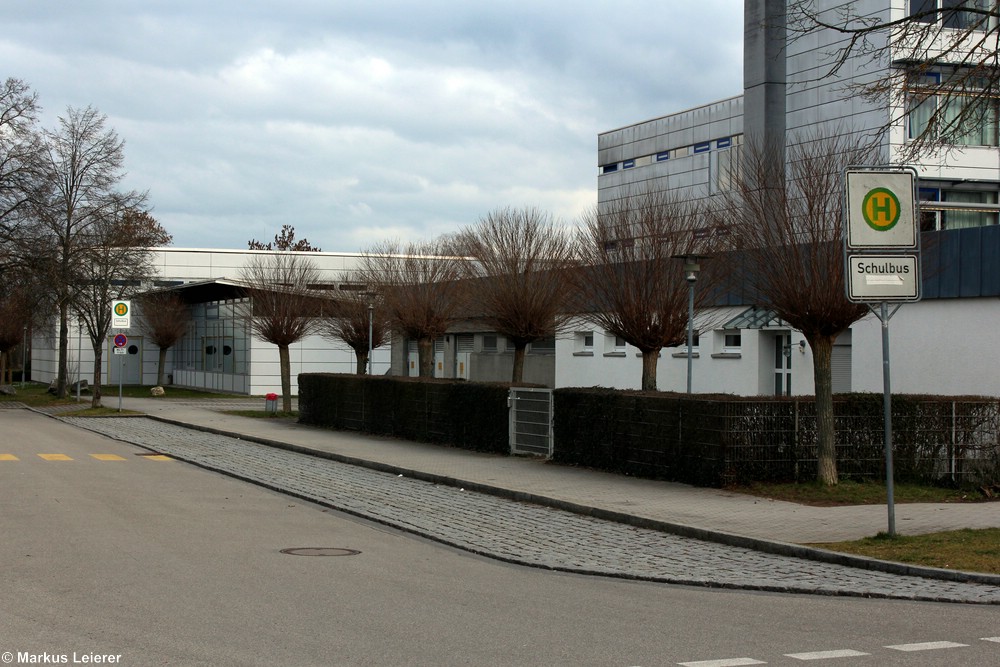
(883, 278)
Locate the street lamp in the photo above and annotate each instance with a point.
(371, 318)
(691, 268)
(24, 349)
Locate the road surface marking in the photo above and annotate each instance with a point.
(825, 655)
(730, 662)
(55, 457)
(925, 646)
(8, 457)
(107, 457)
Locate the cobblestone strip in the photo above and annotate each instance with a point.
(520, 532)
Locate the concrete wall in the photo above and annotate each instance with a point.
(940, 346)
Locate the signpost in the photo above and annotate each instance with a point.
(882, 265)
(121, 318)
(121, 314)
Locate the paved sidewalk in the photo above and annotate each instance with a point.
(677, 505)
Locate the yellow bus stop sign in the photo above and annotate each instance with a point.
(881, 210)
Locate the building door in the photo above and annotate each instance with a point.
(126, 366)
(783, 365)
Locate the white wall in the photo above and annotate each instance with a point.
(939, 346)
(192, 264)
(750, 373)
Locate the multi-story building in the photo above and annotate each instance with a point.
(791, 94)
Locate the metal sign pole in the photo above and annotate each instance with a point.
(121, 376)
(884, 316)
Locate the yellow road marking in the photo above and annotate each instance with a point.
(107, 457)
(55, 457)
(158, 457)
(8, 457)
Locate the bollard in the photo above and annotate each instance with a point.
(271, 403)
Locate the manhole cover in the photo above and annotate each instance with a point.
(320, 551)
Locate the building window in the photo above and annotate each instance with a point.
(614, 346)
(935, 213)
(489, 343)
(465, 343)
(951, 219)
(543, 346)
(725, 168)
(583, 343)
(662, 155)
(964, 120)
(732, 341)
(950, 14)
(609, 168)
(628, 164)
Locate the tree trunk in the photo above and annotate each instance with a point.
(826, 443)
(160, 366)
(95, 391)
(650, 359)
(425, 349)
(63, 371)
(286, 379)
(517, 375)
(362, 358)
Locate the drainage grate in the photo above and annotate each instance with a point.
(320, 551)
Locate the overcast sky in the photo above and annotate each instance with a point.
(358, 122)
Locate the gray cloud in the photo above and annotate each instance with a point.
(361, 121)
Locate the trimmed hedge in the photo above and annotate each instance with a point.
(721, 440)
(469, 415)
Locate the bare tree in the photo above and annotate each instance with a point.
(280, 308)
(787, 224)
(419, 285)
(283, 240)
(114, 261)
(939, 64)
(630, 283)
(359, 318)
(519, 279)
(20, 153)
(82, 164)
(166, 317)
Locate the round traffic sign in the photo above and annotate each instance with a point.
(121, 309)
(881, 209)
(121, 340)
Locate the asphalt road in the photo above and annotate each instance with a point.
(161, 563)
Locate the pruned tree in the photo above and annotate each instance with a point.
(280, 307)
(114, 260)
(82, 163)
(166, 317)
(939, 64)
(630, 283)
(420, 287)
(359, 319)
(17, 308)
(283, 240)
(786, 222)
(519, 279)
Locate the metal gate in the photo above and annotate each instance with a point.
(531, 421)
